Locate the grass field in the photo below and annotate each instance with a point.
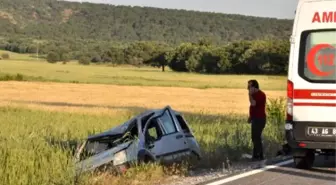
(98, 74)
(35, 115)
(21, 57)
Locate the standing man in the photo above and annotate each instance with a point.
(257, 117)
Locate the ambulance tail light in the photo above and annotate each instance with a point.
(290, 96)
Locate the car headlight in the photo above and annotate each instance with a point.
(120, 157)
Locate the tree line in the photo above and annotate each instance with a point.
(58, 20)
(269, 56)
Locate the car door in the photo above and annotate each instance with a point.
(189, 136)
(171, 143)
(152, 137)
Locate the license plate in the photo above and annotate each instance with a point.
(321, 132)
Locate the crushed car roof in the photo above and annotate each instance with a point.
(116, 131)
(121, 129)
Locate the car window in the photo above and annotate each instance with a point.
(183, 124)
(168, 123)
(144, 120)
(153, 131)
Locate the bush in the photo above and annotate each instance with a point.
(84, 60)
(96, 59)
(5, 56)
(276, 112)
(12, 77)
(53, 57)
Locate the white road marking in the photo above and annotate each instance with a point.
(236, 177)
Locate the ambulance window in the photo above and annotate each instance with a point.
(321, 68)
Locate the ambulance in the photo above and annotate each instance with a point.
(311, 87)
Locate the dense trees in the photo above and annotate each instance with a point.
(50, 19)
(240, 57)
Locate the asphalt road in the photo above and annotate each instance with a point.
(323, 173)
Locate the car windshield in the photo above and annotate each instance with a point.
(317, 56)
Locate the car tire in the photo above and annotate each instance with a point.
(145, 160)
(144, 157)
(305, 162)
(193, 161)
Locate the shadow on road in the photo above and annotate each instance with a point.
(322, 170)
(305, 174)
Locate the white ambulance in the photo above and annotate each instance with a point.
(311, 88)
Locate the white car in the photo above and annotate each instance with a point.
(154, 136)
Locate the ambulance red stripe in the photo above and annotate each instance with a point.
(315, 104)
(316, 94)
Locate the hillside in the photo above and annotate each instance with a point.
(50, 19)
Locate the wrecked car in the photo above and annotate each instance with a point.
(161, 135)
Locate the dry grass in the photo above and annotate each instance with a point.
(134, 176)
(114, 99)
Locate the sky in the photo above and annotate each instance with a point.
(283, 9)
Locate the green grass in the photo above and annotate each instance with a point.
(98, 74)
(28, 156)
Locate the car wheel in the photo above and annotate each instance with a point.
(193, 160)
(145, 160)
(305, 162)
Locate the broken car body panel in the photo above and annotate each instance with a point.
(161, 135)
(101, 158)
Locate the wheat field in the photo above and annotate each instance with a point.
(113, 98)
